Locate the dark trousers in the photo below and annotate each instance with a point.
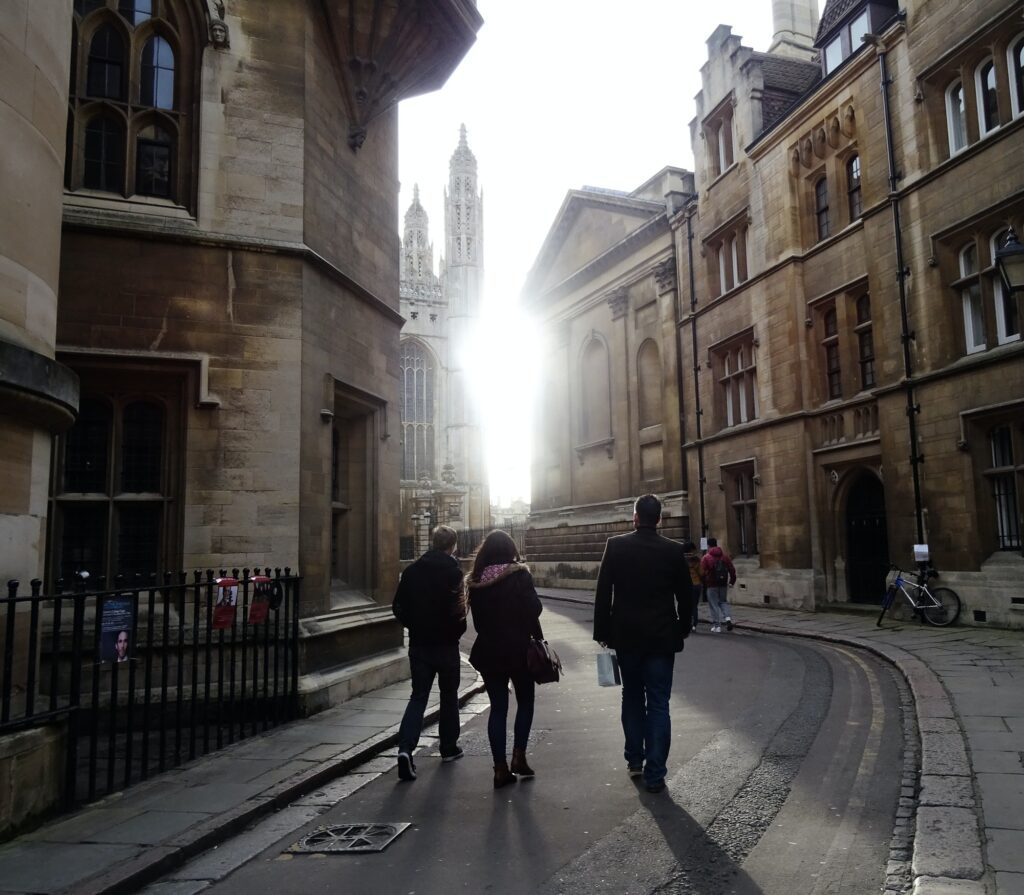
(646, 690)
(497, 723)
(695, 600)
(426, 661)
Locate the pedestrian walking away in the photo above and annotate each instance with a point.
(505, 609)
(719, 575)
(643, 610)
(693, 563)
(430, 603)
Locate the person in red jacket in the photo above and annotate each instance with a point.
(719, 575)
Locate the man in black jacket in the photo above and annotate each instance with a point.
(642, 610)
(429, 602)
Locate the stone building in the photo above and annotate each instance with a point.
(227, 258)
(607, 429)
(443, 474)
(854, 371)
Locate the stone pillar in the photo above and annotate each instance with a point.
(38, 397)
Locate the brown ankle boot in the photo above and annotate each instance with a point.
(502, 775)
(519, 765)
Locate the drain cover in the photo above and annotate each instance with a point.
(349, 838)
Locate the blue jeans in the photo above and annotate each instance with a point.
(646, 688)
(497, 722)
(718, 603)
(426, 661)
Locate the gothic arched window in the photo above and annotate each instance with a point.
(648, 374)
(419, 374)
(595, 384)
(135, 65)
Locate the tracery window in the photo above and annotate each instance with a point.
(1015, 58)
(134, 78)
(736, 368)
(419, 376)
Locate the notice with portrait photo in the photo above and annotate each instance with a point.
(116, 630)
(226, 600)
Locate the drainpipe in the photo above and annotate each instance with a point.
(698, 413)
(902, 272)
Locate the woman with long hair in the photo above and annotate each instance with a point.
(505, 608)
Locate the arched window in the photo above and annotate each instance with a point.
(105, 77)
(988, 104)
(596, 420)
(104, 155)
(956, 117)
(145, 59)
(821, 208)
(1015, 59)
(154, 152)
(865, 343)
(156, 87)
(833, 369)
(853, 188)
(648, 374)
(418, 389)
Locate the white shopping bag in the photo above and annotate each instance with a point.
(608, 669)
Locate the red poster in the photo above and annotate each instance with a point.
(227, 599)
(259, 608)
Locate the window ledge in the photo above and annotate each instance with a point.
(607, 443)
(148, 205)
(719, 177)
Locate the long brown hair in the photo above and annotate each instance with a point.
(497, 548)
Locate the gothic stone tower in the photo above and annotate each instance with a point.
(443, 475)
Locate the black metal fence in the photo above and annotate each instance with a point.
(145, 676)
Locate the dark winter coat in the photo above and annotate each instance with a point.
(429, 600)
(505, 614)
(707, 567)
(643, 601)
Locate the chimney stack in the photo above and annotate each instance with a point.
(796, 25)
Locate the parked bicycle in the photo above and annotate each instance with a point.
(938, 606)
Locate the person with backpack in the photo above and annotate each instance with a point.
(719, 575)
(693, 559)
(431, 604)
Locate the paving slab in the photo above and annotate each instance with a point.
(150, 827)
(35, 867)
(1003, 796)
(1006, 850)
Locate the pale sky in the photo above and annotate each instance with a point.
(555, 95)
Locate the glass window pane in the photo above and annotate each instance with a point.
(969, 260)
(1017, 74)
(1002, 447)
(138, 538)
(104, 156)
(858, 28)
(142, 443)
(106, 64)
(84, 7)
(833, 55)
(157, 82)
(988, 106)
(864, 309)
(86, 450)
(136, 11)
(957, 116)
(153, 163)
(83, 540)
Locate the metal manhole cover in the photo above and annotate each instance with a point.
(349, 838)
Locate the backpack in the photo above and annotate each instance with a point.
(719, 573)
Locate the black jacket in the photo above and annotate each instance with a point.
(429, 600)
(644, 594)
(505, 613)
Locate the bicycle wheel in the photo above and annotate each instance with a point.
(946, 612)
(890, 595)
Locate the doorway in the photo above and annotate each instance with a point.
(867, 542)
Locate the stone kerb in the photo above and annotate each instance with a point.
(947, 855)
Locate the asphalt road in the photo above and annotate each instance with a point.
(783, 778)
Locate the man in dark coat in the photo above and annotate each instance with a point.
(429, 602)
(642, 610)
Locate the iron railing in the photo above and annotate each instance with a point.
(145, 676)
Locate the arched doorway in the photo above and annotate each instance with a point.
(867, 543)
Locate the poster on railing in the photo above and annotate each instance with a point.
(116, 630)
(226, 601)
(259, 608)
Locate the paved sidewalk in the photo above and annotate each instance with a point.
(134, 837)
(968, 690)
